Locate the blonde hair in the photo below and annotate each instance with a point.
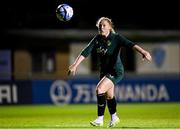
(108, 20)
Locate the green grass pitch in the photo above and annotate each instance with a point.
(133, 116)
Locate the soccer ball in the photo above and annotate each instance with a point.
(64, 12)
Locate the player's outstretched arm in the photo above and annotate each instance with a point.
(72, 68)
(145, 54)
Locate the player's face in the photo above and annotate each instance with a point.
(104, 28)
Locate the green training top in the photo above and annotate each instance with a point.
(108, 51)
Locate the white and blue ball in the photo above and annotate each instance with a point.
(64, 12)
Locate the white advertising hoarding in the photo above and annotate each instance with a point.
(85, 66)
(166, 58)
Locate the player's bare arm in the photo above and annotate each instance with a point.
(73, 67)
(145, 54)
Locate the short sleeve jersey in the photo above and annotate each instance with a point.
(108, 51)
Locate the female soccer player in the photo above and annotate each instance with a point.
(107, 44)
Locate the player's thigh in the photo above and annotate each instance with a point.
(104, 85)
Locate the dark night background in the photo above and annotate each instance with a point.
(126, 14)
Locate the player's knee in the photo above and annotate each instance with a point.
(99, 90)
(109, 97)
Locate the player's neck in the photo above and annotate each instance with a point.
(105, 34)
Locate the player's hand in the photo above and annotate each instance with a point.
(69, 73)
(147, 56)
(72, 70)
